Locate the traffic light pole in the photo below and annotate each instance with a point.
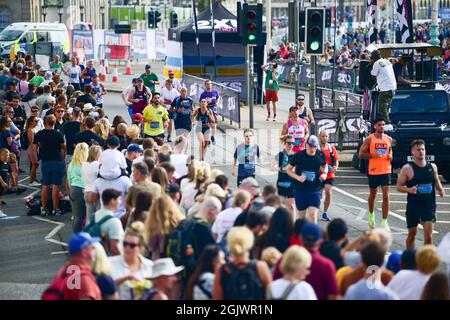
(312, 83)
(249, 74)
(297, 44)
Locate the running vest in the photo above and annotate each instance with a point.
(298, 131)
(203, 119)
(284, 180)
(426, 193)
(97, 89)
(379, 166)
(304, 114)
(142, 95)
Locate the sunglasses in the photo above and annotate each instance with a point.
(60, 111)
(130, 244)
(290, 143)
(34, 111)
(249, 136)
(300, 99)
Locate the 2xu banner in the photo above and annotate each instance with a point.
(343, 113)
(343, 78)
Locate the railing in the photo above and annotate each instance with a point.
(115, 52)
(228, 106)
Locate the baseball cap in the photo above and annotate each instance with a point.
(147, 66)
(42, 69)
(394, 261)
(113, 141)
(311, 233)
(139, 80)
(137, 118)
(88, 107)
(174, 188)
(79, 241)
(313, 141)
(135, 148)
(51, 99)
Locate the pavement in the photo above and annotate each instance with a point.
(33, 248)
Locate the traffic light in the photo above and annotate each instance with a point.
(157, 18)
(173, 20)
(252, 31)
(315, 31)
(151, 19)
(291, 24)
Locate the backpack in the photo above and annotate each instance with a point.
(332, 157)
(285, 294)
(241, 284)
(95, 228)
(33, 204)
(24, 141)
(181, 247)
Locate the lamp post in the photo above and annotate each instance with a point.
(434, 30)
(60, 11)
(82, 12)
(102, 12)
(44, 11)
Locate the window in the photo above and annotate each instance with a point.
(5, 17)
(43, 36)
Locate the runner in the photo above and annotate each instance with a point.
(420, 179)
(150, 78)
(176, 82)
(98, 91)
(310, 171)
(285, 185)
(377, 148)
(56, 66)
(155, 119)
(296, 127)
(212, 97)
(184, 107)
(88, 73)
(126, 92)
(139, 97)
(303, 111)
(204, 118)
(272, 88)
(332, 159)
(245, 155)
(168, 95)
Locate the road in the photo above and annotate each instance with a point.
(33, 248)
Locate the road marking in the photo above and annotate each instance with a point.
(59, 226)
(347, 170)
(444, 212)
(390, 193)
(352, 185)
(31, 194)
(447, 222)
(22, 180)
(401, 201)
(60, 252)
(350, 177)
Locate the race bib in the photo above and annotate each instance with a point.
(249, 166)
(74, 75)
(284, 184)
(381, 151)
(167, 101)
(425, 188)
(310, 175)
(154, 125)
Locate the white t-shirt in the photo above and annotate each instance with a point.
(168, 96)
(408, 284)
(188, 197)
(207, 282)
(112, 229)
(383, 70)
(225, 221)
(176, 83)
(74, 74)
(121, 184)
(302, 291)
(179, 162)
(89, 173)
(111, 163)
(120, 269)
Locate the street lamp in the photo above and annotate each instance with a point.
(44, 11)
(60, 11)
(102, 12)
(82, 12)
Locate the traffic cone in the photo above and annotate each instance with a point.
(102, 72)
(115, 77)
(128, 69)
(106, 64)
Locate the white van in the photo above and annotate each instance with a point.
(21, 34)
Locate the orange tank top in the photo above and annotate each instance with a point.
(379, 166)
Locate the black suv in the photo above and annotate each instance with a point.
(420, 112)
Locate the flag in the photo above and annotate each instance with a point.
(194, 14)
(371, 19)
(403, 13)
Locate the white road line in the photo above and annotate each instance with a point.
(390, 193)
(353, 185)
(348, 170)
(403, 202)
(59, 226)
(59, 252)
(22, 180)
(444, 212)
(350, 177)
(31, 194)
(447, 222)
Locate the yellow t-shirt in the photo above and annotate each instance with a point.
(153, 120)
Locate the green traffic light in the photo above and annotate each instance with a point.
(314, 45)
(251, 37)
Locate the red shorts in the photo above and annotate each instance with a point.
(271, 95)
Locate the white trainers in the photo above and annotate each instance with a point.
(35, 184)
(2, 215)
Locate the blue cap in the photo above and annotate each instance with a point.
(113, 141)
(135, 148)
(394, 261)
(311, 233)
(79, 241)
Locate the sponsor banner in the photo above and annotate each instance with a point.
(83, 43)
(139, 44)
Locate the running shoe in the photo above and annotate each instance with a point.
(371, 221)
(385, 225)
(2, 214)
(56, 212)
(44, 212)
(325, 217)
(35, 184)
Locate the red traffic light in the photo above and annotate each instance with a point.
(315, 31)
(251, 14)
(316, 17)
(251, 26)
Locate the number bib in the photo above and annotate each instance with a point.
(154, 125)
(425, 188)
(310, 175)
